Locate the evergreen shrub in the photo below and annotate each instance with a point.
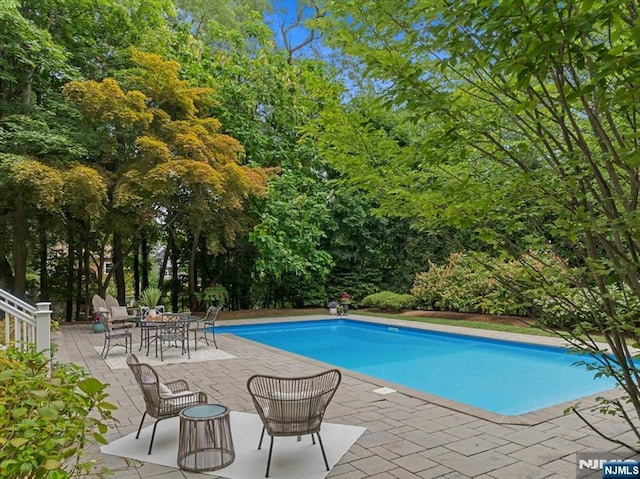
(389, 300)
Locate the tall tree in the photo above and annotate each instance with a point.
(181, 170)
(263, 100)
(45, 44)
(527, 118)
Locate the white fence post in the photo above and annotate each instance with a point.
(43, 328)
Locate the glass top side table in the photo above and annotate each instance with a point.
(205, 438)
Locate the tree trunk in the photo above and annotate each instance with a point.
(193, 305)
(175, 281)
(118, 265)
(44, 273)
(144, 246)
(78, 275)
(26, 93)
(70, 274)
(136, 270)
(6, 273)
(101, 282)
(19, 247)
(165, 260)
(86, 263)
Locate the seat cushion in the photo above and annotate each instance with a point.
(119, 312)
(165, 392)
(289, 412)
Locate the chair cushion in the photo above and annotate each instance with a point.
(165, 392)
(119, 312)
(290, 407)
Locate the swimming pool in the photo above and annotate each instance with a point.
(499, 376)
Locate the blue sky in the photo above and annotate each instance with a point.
(285, 12)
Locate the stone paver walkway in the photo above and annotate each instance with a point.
(408, 434)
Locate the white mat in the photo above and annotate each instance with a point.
(290, 459)
(117, 357)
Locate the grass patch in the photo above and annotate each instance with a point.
(268, 313)
(476, 324)
(485, 325)
(466, 323)
(509, 328)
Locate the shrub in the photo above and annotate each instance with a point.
(490, 285)
(389, 300)
(459, 285)
(214, 295)
(47, 420)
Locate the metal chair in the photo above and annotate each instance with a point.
(114, 333)
(162, 400)
(206, 326)
(293, 406)
(149, 328)
(173, 329)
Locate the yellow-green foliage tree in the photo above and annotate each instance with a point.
(174, 166)
(45, 44)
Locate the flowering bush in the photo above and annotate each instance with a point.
(459, 285)
(491, 285)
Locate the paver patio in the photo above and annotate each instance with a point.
(408, 434)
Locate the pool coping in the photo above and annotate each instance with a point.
(526, 419)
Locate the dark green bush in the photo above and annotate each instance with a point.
(389, 300)
(47, 420)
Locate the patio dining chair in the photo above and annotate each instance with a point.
(162, 400)
(206, 326)
(293, 406)
(173, 330)
(114, 335)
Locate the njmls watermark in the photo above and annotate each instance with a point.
(607, 465)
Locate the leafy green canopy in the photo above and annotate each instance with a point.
(524, 131)
(263, 101)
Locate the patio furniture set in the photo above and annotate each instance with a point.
(161, 329)
(286, 407)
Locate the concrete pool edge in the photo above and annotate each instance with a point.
(526, 419)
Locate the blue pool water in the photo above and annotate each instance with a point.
(499, 376)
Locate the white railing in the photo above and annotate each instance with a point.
(25, 325)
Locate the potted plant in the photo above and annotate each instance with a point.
(96, 324)
(333, 307)
(346, 301)
(150, 298)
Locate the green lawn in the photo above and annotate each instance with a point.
(524, 329)
(493, 326)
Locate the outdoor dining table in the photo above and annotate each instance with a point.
(150, 324)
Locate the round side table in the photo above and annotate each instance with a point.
(205, 438)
